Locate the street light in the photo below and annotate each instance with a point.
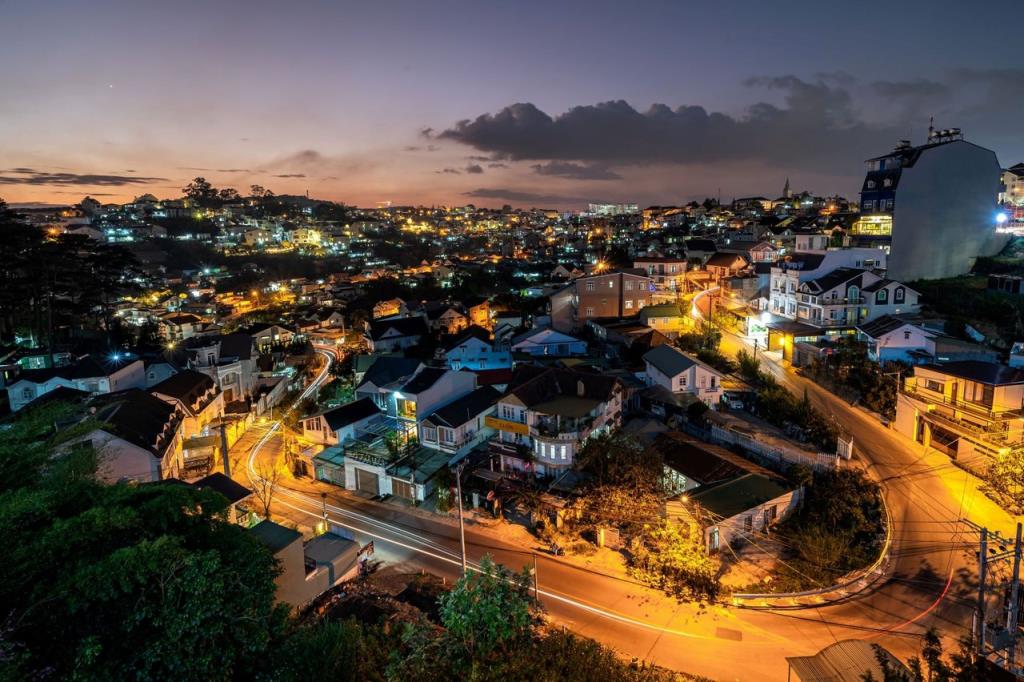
(462, 528)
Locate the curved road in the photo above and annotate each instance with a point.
(930, 579)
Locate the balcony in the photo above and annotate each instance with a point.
(975, 408)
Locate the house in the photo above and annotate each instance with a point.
(140, 438)
(790, 272)
(700, 249)
(969, 410)
(690, 463)
(736, 508)
(479, 312)
(395, 334)
(847, 296)
(848, 660)
(675, 371)
(723, 264)
(621, 293)
(547, 415)
(475, 351)
(384, 373)
(668, 274)
(265, 336)
(340, 423)
(235, 493)
(230, 360)
(308, 569)
(459, 426)
(197, 398)
(177, 327)
(667, 318)
(548, 342)
(393, 307)
(88, 374)
(447, 319)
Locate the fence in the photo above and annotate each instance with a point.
(776, 454)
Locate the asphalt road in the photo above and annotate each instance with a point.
(930, 582)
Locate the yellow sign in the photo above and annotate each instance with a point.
(506, 425)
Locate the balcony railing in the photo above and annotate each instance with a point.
(978, 409)
(991, 435)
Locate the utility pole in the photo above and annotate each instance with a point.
(462, 527)
(1014, 611)
(982, 565)
(536, 580)
(224, 448)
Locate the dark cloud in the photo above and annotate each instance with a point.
(427, 133)
(291, 175)
(211, 170)
(577, 171)
(497, 165)
(524, 196)
(449, 171)
(474, 169)
(27, 176)
(412, 148)
(815, 126)
(474, 157)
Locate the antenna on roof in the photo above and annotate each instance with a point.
(931, 127)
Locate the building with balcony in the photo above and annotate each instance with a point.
(547, 415)
(679, 373)
(847, 297)
(460, 426)
(230, 360)
(932, 207)
(341, 423)
(969, 410)
(667, 273)
(622, 293)
(790, 272)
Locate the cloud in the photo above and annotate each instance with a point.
(412, 148)
(578, 171)
(211, 170)
(28, 176)
(815, 126)
(497, 165)
(524, 196)
(449, 171)
(291, 175)
(474, 169)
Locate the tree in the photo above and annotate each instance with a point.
(200, 191)
(264, 486)
(229, 194)
(488, 611)
(670, 555)
(152, 581)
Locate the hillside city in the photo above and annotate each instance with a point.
(693, 433)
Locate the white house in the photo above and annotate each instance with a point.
(459, 427)
(339, 424)
(395, 334)
(89, 375)
(677, 372)
(540, 342)
(476, 352)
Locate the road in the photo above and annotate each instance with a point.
(930, 581)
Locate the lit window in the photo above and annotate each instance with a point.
(611, 284)
(590, 285)
(629, 304)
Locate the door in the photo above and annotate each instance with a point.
(367, 482)
(403, 489)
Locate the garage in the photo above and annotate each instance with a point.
(367, 482)
(403, 489)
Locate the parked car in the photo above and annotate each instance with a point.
(733, 401)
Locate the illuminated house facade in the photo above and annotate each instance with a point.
(621, 293)
(965, 409)
(932, 207)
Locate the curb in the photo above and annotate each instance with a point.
(856, 583)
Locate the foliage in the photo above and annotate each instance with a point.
(778, 406)
(931, 665)
(850, 369)
(966, 300)
(837, 529)
(670, 555)
(1005, 476)
(748, 365)
(345, 651)
(109, 582)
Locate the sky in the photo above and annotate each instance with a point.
(553, 104)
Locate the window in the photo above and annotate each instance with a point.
(682, 382)
(429, 434)
(888, 183)
(871, 184)
(611, 284)
(629, 304)
(564, 452)
(590, 285)
(27, 393)
(900, 294)
(589, 312)
(628, 285)
(906, 336)
(448, 435)
(933, 385)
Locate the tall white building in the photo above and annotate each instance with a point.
(932, 206)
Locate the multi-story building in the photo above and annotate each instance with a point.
(547, 415)
(621, 293)
(969, 410)
(667, 273)
(790, 272)
(933, 207)
(1013, 186)
(847, 297)
(230, 360)
(679, 373)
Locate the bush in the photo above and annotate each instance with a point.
(671, 556)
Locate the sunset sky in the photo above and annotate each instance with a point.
(531, 103)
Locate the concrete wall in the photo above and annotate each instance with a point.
(944, 213)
